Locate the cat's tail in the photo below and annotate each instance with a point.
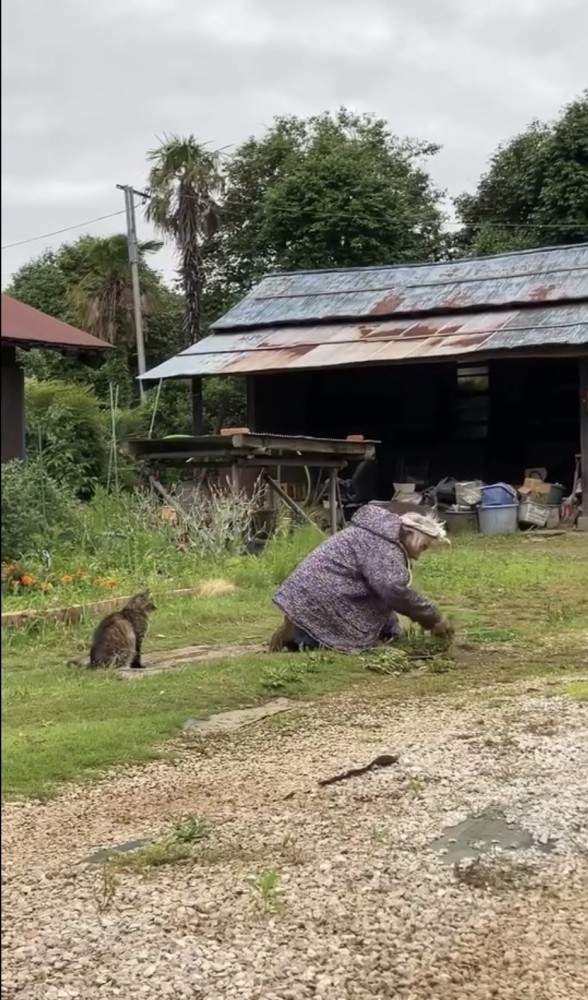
(78, 661)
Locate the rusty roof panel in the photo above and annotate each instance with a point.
(384, 342)
(557, 274)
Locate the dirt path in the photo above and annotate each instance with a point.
(356, 905)
(156, 662)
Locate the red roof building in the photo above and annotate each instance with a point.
(25, 327)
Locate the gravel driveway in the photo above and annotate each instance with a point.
(356, 904)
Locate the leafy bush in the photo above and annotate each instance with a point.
(224, 403)
(65, 427)
(33, 506)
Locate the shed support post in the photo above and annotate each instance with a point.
(197, 419)
(250, 389)
(583, 373)
(277, 489)
(333, 500)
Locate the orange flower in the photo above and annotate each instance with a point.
(27, 580)
(111, 584)
(66, 578)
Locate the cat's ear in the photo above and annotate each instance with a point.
(148, 598)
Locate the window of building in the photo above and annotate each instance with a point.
(472, 402)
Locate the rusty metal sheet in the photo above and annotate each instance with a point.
(557, 274)
(331, 346)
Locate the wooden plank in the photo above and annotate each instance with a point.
(73, 614)
(287, 500)
(307, 446)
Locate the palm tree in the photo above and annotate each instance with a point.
(102, 300)
(186, 184)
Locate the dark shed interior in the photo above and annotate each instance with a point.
(487, 420)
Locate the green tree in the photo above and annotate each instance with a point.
(186, 183)
(87, 283)
(101, 302)
(336, 190)
(535, 192)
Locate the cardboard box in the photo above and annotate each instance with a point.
(537, 472)
(403, 490)
(535, 490)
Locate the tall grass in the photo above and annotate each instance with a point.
(119, 542)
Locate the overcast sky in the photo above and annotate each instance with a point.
(89, 85)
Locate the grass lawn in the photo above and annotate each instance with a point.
(520, 605)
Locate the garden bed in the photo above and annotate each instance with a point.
(75, 612)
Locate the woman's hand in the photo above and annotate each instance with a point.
(443, 628)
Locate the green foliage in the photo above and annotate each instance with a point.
(34, 506)
(165, 334)
(335, 190)
(43, 283)
(65, 428)
(186, 181)
(101, 298)
(224, 404)
(168, 410)
(162, 413)
(87, 284)
(536, 190)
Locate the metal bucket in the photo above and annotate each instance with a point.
(460, 522)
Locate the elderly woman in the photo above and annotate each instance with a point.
(347, 594)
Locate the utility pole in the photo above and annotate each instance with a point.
(133, 244)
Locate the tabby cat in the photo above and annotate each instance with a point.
(118, 638)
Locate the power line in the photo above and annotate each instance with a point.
(492, 223)
(58, 232)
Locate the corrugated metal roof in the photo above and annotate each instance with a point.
(549, 275)
(383, 342)
(21, 324)
(324, 319)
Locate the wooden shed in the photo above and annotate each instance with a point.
(474, 368)
(25, 328)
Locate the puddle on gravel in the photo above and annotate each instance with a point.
(106, 852)
(482, 834)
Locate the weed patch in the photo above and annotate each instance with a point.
(181, 844)
(267, 889)
(493, 876)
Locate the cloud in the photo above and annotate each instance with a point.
(88, 87)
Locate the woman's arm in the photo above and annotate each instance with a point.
(389, 579)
